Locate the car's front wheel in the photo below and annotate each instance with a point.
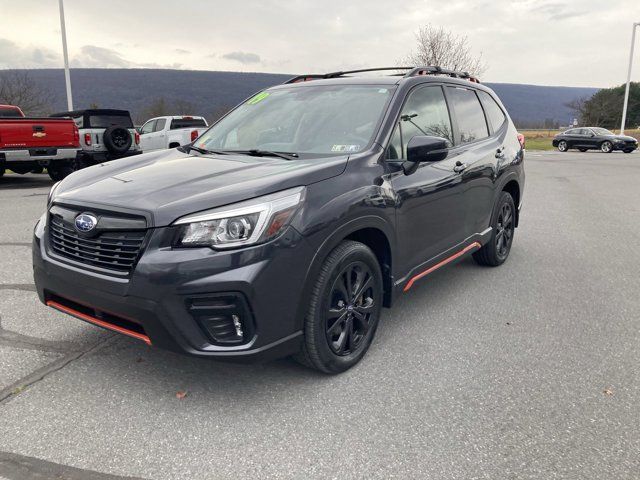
(503, 225)
(563, 146)
(344, 309)
(606, 147)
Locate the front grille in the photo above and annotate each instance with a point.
(115, 251)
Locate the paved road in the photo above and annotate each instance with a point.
(526, 371)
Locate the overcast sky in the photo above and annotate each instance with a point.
(544, 42)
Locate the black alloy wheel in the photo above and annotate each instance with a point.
(349, 313)
(503, 222)
(343, 309)
(504, 230)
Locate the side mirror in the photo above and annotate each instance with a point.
(424, 148)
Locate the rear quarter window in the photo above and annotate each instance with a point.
(494, 113)
(472, 124)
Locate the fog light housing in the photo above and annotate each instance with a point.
(225, 318)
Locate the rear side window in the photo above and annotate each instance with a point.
(494, 113)
(471, 121)
(187, 123)
(160, 123)
(106, 121)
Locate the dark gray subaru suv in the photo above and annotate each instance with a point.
(286, 226)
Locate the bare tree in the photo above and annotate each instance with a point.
(437, 46)
(18, 88)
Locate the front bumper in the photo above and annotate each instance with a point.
(625, 146)
(155, 297)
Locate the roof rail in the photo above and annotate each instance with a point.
(413, 72)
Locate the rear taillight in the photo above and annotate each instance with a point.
(521, 140)
(194, 135)
(76, 135)
(87, 139)
(136, 137)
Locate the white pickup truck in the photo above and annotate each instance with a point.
(170, 132)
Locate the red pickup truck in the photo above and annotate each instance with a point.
(30, 143)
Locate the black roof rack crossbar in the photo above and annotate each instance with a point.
(413, 72)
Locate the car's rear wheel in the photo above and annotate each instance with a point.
(606, 147)
(344, 309)
(503, 225)
(583, 149)
(563, 146)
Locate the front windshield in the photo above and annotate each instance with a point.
(601, 131)
(311, 120)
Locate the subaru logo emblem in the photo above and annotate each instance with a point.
(86, 222)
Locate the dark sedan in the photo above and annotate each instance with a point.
(594, 138)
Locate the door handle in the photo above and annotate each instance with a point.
(459, 167)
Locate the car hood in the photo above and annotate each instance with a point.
(622, 137)
(170, 184)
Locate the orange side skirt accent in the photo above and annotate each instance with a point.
(97, 321)
(441, 264)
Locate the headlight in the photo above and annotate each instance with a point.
(52, 191)
(245, 223)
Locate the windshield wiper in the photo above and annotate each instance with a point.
(204, 151)
(254, 152)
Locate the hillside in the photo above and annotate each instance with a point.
(210, 92)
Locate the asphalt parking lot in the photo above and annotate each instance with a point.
(526, 371)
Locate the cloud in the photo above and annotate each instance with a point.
(182, 51)
(91, 56)
(29, 56)
(242, 57)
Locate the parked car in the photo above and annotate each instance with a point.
(594, 138)
(170, 132)
(105, 134)
(288, 224)
(31, 143)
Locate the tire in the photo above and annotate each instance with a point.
(496, 252)
(58, 171)
(606, 147)
(333, 311)
(563, 146)
(583, 149)
(2, 171)
(117, 139)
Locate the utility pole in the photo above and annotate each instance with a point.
(67, 76)
(626, 92)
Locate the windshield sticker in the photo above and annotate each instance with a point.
(257, 98)
(345, 148)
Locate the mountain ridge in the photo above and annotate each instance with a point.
(212, 92)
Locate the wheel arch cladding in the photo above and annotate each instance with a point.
(378, 242)
(513, 189)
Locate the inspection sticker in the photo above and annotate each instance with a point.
(345, 148)
(257, 98)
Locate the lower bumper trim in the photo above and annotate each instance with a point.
(97, 321)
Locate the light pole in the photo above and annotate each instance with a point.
(67, 76)
(626, 92)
